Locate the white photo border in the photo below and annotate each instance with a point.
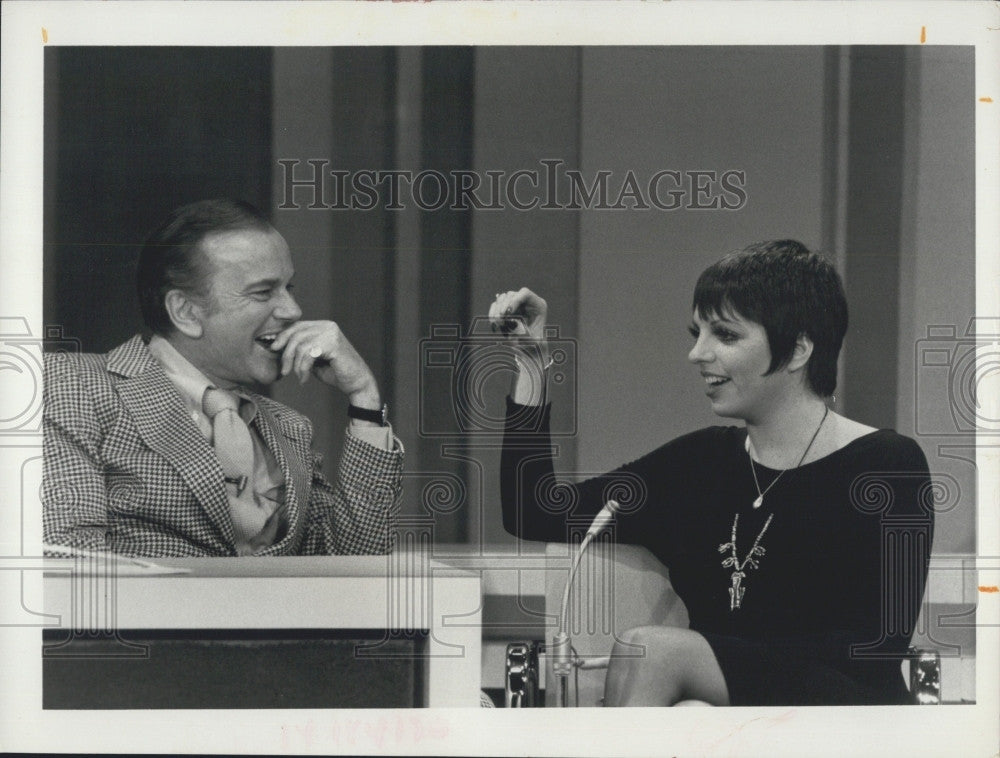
(29, 26)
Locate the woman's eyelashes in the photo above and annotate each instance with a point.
(725, 335)
(721, 333)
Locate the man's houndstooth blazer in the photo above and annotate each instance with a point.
(126, 469)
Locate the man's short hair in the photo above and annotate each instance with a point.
(790, 291)
(171, 258)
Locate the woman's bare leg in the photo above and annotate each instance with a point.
(661, 665)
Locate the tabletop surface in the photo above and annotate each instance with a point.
(408, 564)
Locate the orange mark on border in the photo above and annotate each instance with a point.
(923, 34)
(45, 35)
(991, 588)
(986, 99)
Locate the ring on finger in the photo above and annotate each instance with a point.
(315, 352)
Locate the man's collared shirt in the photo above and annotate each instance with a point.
(268, 480)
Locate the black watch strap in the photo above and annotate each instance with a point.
(380, 417)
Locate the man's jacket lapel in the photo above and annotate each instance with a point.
(289, 440)
(160, 418)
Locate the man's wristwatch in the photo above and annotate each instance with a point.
(380, 417)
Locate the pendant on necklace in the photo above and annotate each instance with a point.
(736, 590)
(758, 502)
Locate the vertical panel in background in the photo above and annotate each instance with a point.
(335, 106)
(363, 138)
(445, 244)
(139, 131)
(50, 152)
(836, 80)
(758, 110)
(408, 329)
(874, 200)
(527, 111)
(938, 277)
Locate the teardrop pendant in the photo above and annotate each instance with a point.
(758, 502)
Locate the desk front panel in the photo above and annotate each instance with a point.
(419, 622)
(272, 668)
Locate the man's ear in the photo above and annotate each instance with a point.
(801, 353)
(185, 312)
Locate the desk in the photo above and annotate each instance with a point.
(398, 594)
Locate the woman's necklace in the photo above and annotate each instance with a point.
(760, 495)
(736, 588)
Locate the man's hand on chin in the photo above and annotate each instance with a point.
(321, 348)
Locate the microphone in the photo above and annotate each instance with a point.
(602, 519)
(562, 664)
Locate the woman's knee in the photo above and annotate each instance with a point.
(680, 659)
(658, 639)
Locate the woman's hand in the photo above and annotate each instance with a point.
(521, 316)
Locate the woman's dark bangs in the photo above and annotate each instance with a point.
(716, 295)
(707, 293)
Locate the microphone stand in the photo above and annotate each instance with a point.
(563, 660)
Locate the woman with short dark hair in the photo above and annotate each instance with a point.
(798, 541)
